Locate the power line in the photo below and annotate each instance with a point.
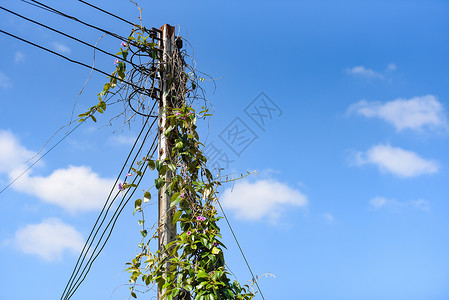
(106, 12)
(67, 35)
(95, 231)
(41, 157)
(74, 283)
(241, 250)
(112, 221)
(140, 89)
(55, 11)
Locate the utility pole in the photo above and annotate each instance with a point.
(167, 231)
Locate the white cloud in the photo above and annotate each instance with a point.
(378, 203)
(328, 217)
(61, 48)
(391, 67)
(261, 199)
(121, 140)
(420, 204)
(5, 82)
(76, 188)
(49, 239)
(415, 113)
(12, 153)
(361, 71)
(397, 161)
(19, 57)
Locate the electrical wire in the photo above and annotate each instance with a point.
(112, 221)
(69, 289)
(76, 279)
(41, 157)
(241, 250)
(55, 11)
(67, 35)
(106, 12)
(140, 89)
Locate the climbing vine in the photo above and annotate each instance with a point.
(192, 266)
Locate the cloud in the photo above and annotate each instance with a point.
(378, 203)
(75, 188)
(397, 161)
(5, 82)
(19, 57)
(12, 153)
(263, 199)
(61, 48)
(121, 140)
(328, 217)
(391, 67)
(415, 113)
(49, 239)
(361, 71)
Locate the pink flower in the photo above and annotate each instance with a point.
(120, 187)
(177, 113)
(189, 232)
(116, 61)
(201, 218)
(129, 174)
(215, 244)
(183, 196)
(123, 44)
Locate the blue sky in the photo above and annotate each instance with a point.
(350, 200)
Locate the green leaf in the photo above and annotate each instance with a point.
(176, 216)
(163, 170)
(175, 199)
(133, 295)
(143, 233)
(172, 167)
(146, 197)
(151, 164)
(93, 118)
(158, 182)
(138, 203)
(215, 250)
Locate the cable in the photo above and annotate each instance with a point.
(55, 11)
(75, 61)
(241, 251)
(95, 230)
(67, 35)
(112, 221)
(106, 12)
(43, 155)
(102, 211)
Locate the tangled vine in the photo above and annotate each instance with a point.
(192, 266)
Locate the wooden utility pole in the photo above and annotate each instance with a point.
(167, 231)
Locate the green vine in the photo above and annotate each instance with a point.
(197, 267)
